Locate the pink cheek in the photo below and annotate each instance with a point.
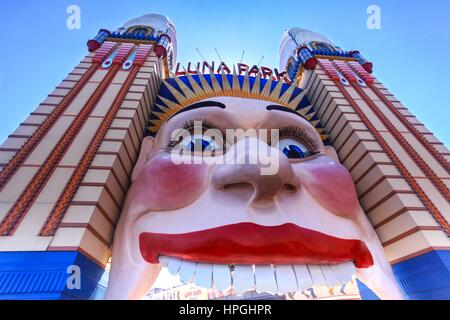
(331, 185)
(164, 185)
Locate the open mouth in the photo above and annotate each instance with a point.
(274, 279)
(275, 259)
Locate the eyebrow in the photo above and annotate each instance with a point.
(285, 109)
(202, 104)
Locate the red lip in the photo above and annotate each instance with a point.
(248, 243)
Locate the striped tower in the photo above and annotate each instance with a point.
(401, 170)
(65, 171)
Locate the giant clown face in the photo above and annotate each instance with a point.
(223, 223)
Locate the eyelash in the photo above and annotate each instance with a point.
(206, 124)
(301, 134)
(297, 132)
(190, 126)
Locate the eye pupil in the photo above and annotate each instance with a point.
(293, 152)
(197, 144)
(205, 144)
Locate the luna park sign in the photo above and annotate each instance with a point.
(241, 69)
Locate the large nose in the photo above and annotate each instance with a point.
(254, 163)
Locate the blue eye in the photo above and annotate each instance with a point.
(294, 149)
(198, 144)
(203, 145)
(293, 152)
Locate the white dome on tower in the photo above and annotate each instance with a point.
(161, 24)
(157, 21)
(296, 37)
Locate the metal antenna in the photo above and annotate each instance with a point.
(293, 38)
(218, 55)
(262, 58)
(200, 54)
(196, 69)
(242, 56)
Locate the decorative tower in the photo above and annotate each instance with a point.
(65, 170)
(401, 170)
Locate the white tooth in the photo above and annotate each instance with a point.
(344, 271)
(174, 265)
(243, 278)
(265, 279)
(350, 268)
(221, 276)
(286, 280)
(164, 260)
(203, 275)
(329, 275)
(316, 275)
(304, 280)
(187, 271)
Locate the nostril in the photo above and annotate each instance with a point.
(290, 188)
(242, 185)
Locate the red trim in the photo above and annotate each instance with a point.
(345, 70)
(362, 72)
(403, 119)
(97, 206)
(429, 173)
(37, 184)
(368, 66)
(105, 187)
(141, 54)
(87, 226)
(328, 67)
(420, 137)
(411, 210)
(311, 64)
(408, 233)
(22, 155)
(104, 51)
(64, 200)
(93, 45)
(123, 53)
(378, 182)
(78, 249)
(386, 198)
(418, 253)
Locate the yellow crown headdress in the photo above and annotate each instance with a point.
(180, 92)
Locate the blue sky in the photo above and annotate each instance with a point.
(410, 53)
